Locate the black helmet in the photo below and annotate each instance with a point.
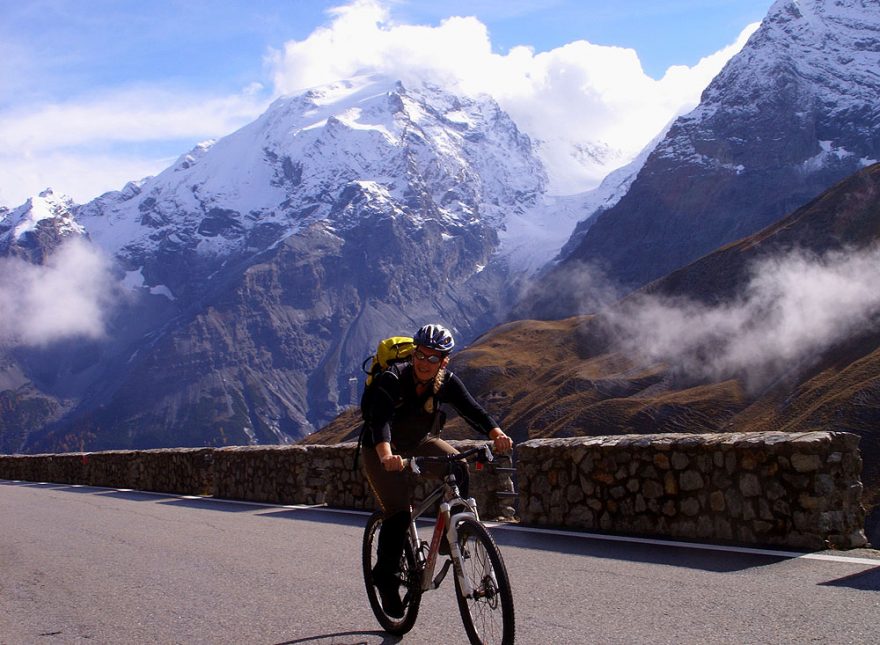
(434, 337)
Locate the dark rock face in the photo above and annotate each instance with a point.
(793, 113)
(844, 218)
(22, 412)
(255, 362)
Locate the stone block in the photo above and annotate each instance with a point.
(749, 485)
(691, 480)
(661, 461)
(652, 489)
(670, 483)
(690, 507)
(679, 461)
(805, 463)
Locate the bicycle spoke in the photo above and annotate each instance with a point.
(408, 581)
(488, 611)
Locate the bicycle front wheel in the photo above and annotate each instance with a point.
(487, 613)
(409, 580)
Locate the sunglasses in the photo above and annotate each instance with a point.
(433, 358)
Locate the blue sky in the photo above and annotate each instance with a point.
(96, 92)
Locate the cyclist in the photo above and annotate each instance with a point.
(404, 422)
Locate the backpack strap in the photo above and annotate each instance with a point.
(357, 449)
(367, 408)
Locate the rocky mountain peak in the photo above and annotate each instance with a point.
(34, 229)
(307, 155)
(794, 112)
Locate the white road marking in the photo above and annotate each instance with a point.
(684, 545)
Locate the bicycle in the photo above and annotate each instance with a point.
(482, 586)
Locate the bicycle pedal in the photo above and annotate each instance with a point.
(442, 573)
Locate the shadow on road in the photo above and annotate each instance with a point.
(347, 638)
(132, 495)
(35, 484)
(136, 496)
(210, 504)
(866, 581)
(325, 516)
(679, 555)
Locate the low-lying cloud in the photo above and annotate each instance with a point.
(71, 296)
(794, 308)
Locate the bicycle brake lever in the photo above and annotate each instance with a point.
(413, 465)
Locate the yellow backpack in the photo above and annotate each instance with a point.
(390, 351)
(395, 349)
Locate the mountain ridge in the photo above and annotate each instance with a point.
(788, 116)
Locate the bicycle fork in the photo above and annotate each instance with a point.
(446, 524)
(466, 585)
(467, 588)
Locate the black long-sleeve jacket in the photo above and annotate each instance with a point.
(399, 415)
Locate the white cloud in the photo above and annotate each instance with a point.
(576, 94)
(795, 307)
(579, 100)
(126, 115)
(79, 146)
(83, 174)
(70, 296)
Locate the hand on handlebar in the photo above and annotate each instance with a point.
(501, 443)
(392, 463)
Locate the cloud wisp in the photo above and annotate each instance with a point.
(70, 296)
(794, 308)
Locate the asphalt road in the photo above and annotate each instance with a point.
(87, 565)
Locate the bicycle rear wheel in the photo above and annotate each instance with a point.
(409, 580)
(488, 613)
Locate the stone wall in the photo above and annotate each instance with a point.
(297, 474)
(796, 490)
(186, 471)
(313, 474)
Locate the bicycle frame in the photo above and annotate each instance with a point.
(445, 523)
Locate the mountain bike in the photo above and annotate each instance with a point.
(482, 586)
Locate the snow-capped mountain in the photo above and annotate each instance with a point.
(37, 227)
(365, 136)
(794, 112)
(420, 152)
(263, 267)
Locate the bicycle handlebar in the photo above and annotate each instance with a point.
(484, 455)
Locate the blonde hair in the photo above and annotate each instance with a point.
(438, 379)
(431, 403)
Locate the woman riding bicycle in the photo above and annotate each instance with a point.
(403, 416)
